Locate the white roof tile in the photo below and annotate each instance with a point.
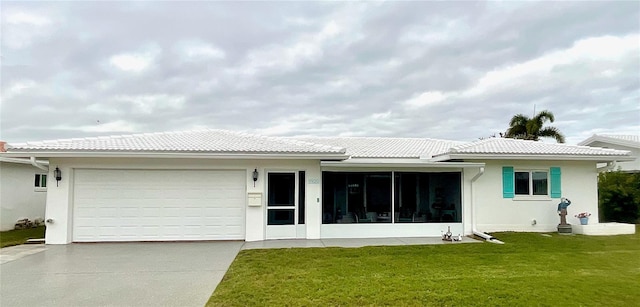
(378, 147)
(210, 141)
(630, 138)
(618, 139)
(223, 141)
(514, 146)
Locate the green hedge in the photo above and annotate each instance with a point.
(619, 197)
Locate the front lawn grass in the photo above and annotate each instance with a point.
(17, 237)
(530, 269)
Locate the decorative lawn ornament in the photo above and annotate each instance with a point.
(563, 227)
(447, 236)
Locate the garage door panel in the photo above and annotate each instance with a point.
(157, 205)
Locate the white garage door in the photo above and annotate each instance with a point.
(158, 205)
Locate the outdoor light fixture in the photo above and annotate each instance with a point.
(255, 177)
(58, 174)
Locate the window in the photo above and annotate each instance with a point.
(356, 197)
(301, 197)
(391, 197)
(531, 183)
(40, 182)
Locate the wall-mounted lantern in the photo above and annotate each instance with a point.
(255, 177)
(58, 174)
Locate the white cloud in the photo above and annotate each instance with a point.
(588, 51)
(426, 99)
(21, 29)
(306, 49)
(197, 50)
(117, 126)
(17, 88)
(18, 18)
(135, 62)
(148, 104)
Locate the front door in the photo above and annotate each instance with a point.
(282, 205)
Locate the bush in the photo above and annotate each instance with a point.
(619, 196)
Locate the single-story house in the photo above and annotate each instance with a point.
(629, 143)
(23, 191)
(224, 185)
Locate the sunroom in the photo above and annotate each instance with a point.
(420, 199)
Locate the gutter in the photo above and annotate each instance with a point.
(39, 164)
(475, 231)
(610, 166)
(546, 157)
(188, 155)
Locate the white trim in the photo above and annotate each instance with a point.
(531, 196)
(611, 140)
(412, 163)
(548, 157)
(282, 231)
(83, 154)
(22, 161)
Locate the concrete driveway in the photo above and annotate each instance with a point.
(117, 274)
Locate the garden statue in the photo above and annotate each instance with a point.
(563, 227)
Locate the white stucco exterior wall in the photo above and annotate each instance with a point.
(19, 198)
(495, 213)
(60, 199)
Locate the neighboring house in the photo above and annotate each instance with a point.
(621, 142)
(222, 185)
(23, 191)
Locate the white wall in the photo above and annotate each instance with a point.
(495, 213)
(625, 166)
(60, 199)
(18, 196)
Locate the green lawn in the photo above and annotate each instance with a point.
(17, 237)
(530, 269)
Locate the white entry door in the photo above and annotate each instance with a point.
(285, 199)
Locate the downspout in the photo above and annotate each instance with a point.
(476, 232)
(38, 165)
(610, 166)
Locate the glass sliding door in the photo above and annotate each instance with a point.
(367, 197)
(356, 198)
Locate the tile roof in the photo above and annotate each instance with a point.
(206, 141)
(523, 147)
(378, 147)
(223, 141)
(629, 137)
(619, 139)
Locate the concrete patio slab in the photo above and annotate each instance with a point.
(283, 244)
(117, 274)
(12, 253)
(302, 243)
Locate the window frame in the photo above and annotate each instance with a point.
(530, 195)
(40, 182)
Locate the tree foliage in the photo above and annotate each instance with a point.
(619, 196)
(523, 127)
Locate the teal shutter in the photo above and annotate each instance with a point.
(507, 182)
(556, 183)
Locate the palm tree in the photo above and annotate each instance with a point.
(523, 127)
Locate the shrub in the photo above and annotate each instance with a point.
(619, 196)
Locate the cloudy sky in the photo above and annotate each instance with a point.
(415, 69)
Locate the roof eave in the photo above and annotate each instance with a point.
(187, 155)
(610, 140)
(400, 163)
(595, 158)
